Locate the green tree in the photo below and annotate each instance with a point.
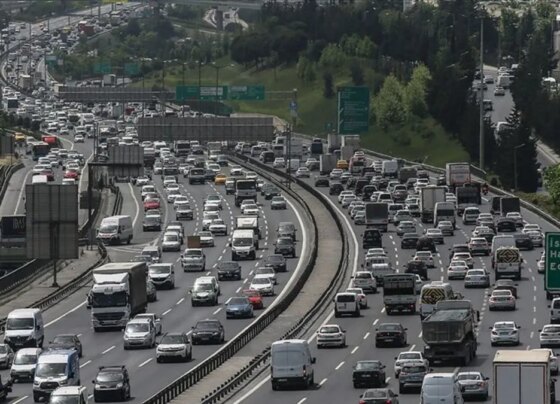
(133, 27)
(415, 92)
(366, 48)
(332, 57)
(552, 181)
(310, 76)
(357, 74)
(328, 85)
(302, 64)
(388, 104)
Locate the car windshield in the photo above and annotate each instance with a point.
(275, 258)
(202, 287)
(242, 242)
(64, 400)
(109, 228)
(63, 339)
(238, 300)
(170, 237)
(193, 253)
(468, 376)
(261, 281)
(552, 329)
(368, 365)
(172, 339)
(109, 377)
(159, 269)
(389, 327)
(285, 241)
(375, 393)
(329, 330)
(500, 326)
(50, 369)
(409, 356)
(137, 327)
(207, 325)
(19, 324)
(228, 265)
(25, 359)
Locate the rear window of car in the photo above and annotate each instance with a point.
(346, 298)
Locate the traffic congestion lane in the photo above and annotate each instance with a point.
(176, 311)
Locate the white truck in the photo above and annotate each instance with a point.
(326, 163)
(294, 148)
(377, 215)
(457, 174)
(508, 263)
(248, 223)
(521, 377)
(350, 141)
(429, 197)
(118, 293)
(444, 211)
(399, 293)
(333, 141)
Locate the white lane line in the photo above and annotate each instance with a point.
(387, 380)
(302, 400)
(366, 336)
(532, 334)
(85, 364)
(217, 311)
(323, 381)
(245, 280)
(89, 397)
(354, 350)
(79, 335)
(65, 314)
(145, 362)
(24, 398)
(376, 321)
(534, 321)
(238, 290)
(339, 365)
(412, 347)
(166, 312)
(420, 335)
(181, 300)
(21, 191)
(136, 204)
(108, 350)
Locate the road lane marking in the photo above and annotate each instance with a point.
(367, 335)
(85, 364)
(339, 365)
(354, 350)
(24, 398)
(108, 350)
(136, 204)
(65, 314)
(20, 197)
(166, 312)
(376, 321)
(238, 290)
(181, 300)
(145, 362)
(323, 381)
(302, 400)
(217, 311)
(412, 347)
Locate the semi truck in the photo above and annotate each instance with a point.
(377, 215)
(509, 204)
(399, 293)
(507, 263)
(326, 163)
(429, 196)
(522, 376)
(118, 294)
(457, 174)
(346, 152)
(449, 332)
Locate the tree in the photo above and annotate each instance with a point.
(357, 74)
(415, 92)
(133, 27)
(388, 104)
(328, 83)
(302, 64)
(309, 75)
(552, 180)
(332, 57)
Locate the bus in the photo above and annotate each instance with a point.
(39, 149)
(51, 140)
(432, 293)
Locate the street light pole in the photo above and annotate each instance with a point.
(481, 100)
(515, 165)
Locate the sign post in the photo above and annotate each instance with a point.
(353, 110)
(552, 263)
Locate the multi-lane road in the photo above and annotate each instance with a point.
(333, 371)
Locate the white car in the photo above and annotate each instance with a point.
(502, 300)
(477, 278)
(335, 174)
(279, 162)
(206, 239)
(362, 297)
(531, 227)
(181, 200)
(504, 332)
(250, 210)
(347, 200)
(263, 284)
(171, 242)
(343, 194)
(549, 336)
(516, 216)
(218, 227)
(418, 283)
(541, 264)
(331, 335)
(464, 256)
(553, 361)
(268, 271)
(79, 139)
(484, 217)
(303, 172)
(173, 346)
(214, 200)
(499, 91)
(172, 194)
(408, 357)
(155, 319)
(425, 256)
(457, 270)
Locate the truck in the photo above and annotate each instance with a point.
(399, 293)
(507, 263)
(245, 189)
(346, 152)
(326, 163)
(316, 147)
(457, 174)
(522, 376)
(466, 198)
(333, 142)
(377, 215)
(109, 80)
(449, 332)
(406, 173)
(294, 164)
(118, 293)
(379, 267)
(182, 148)
(350, 141)
(444, 211)
(248, 222)
(149, 156)
(429, 196)
(509, 204)
(293, 148)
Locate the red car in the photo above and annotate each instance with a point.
(151, 203)
(72, 174)
(49, 174)
(254, 297)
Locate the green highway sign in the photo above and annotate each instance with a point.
(183, 93)
(208, 93)
(246, 93)
(131, 69)
(102, 68)
(50, 58)
(552, 261)
(353, 110)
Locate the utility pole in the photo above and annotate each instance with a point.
(481, 100)
(289, 161)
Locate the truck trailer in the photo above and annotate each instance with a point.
(377, 215)
(429, 196)
(457, 174)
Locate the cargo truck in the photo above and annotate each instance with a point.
(444, 211)
(449, 332)
(507, 263)
(118, 294)
(248, 223)
(509, 204)
(346, 152)
(245, 189)
(326, 163)
(316, 148)
(457, 174)
(466, 197)
(406, 173)
(429, 196)
(333, 141)
(377, 215)
(399, 293)
(294, 148)
(350, 141)
(521, 377)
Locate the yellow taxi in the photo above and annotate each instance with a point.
(220, 179)
(19, 137)
(342, 164)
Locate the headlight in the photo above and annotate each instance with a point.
(119, 386)
(35, 383)
(63, 382)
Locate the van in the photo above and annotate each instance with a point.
(55, 368)
(154, 252)
(390, 168)
(24, 364)
(372, 239)
(502, 241)
(291, 364)
(115, 230)
(69, 394)
(346, 303)
(555, 311)
(441, 388)
(244, 245)
(24, 328)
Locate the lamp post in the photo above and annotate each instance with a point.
(515, 165)
(481, 94)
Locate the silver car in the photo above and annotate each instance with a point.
(174, 346)
(504, 332)
(501, 300)
(446, 228)
(6, 356)
(473, 385)
(477, 278)
(139, 333)
(549, 336)
(171, 242)
(278, 202)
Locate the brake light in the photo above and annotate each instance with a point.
(362, 402)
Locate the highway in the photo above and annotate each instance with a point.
(333, 371)
(106, 348)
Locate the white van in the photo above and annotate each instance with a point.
(25, 329)
(502, 241)
(432, 293)
(390, 168)
(115, 230)
(39, 179)
(24, 364)
(55, 368)
(243, 245)
(441, 388)
(346, 303)
(291, 363)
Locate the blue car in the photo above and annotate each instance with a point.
(239, 307)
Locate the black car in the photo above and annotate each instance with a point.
(265, 187)
(271, 192)
(417, 268)
(505, 225)
(276, 261)
(229, 270)
(67, 341)
(440, 181)
(409, 241)
(285, 246)
(368, 373)
(523, 241)
(351, 183)
(368, 191)
(209, 331)
(111, 384)
(372, 239)
(392, 334)
(458, 248)
(336, 188)
(322, 181)
(426, 244)
(151, 223)
(222, 160)
(210, 175)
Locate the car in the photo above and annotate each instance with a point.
(409, 241)
(331, 335)
(278, 202)
(408, 357)
(229, 270)
(72, 174)
(151, 203)
(255, 298)
(531, 227)
(344, 194)
(504, 332)
(360, 218)
(279, 162)
(506, 284)
(374, 396)
(368, 373)
(553, 361)
(268, 271)
(537, 238)
(392, 334)
(184, 213)
(151, 291)
(335, 188)
(365, 281)
(501, 300)
(303, 172)
(457, 270)
(425, 256)
(262, 284)
(541, 264)
(250, 210)
(151, 223)
(477, 278)
(208, 331)
(206, 238)
(172, 194)
(515, 216)
(239, 306)
(484, 217)
(67, 341)
(480, 231)
(406, 227)
(285, 246)
(174, 346)
(218, 227)
(347, 200)
(499, 91)
(464, 256)
(276, 261)
(402, 215)
(479, 245)
(220, 179)
(6, 356)
(139, 332)
(524, 241)
(111, 383)
(207, 218)
(549, 336)
(418, 283)
(79, 139)
(171, 242)
(412, 375)
(322, 181)
(417, 268)
(143, 180)
(474, 385)
(435, 234)
(362, 297)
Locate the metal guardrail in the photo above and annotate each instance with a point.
(5, 175)
(211, 363)
(117, 207)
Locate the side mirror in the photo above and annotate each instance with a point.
(93, 381)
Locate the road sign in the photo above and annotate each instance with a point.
(131, 69)
(353, 110)
(50, 58)
(102, 68)
(552, 261)
(183, 93)
(208, 93)
(246, 93)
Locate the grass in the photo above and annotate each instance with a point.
(542, 201)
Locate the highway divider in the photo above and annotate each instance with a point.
(6, 173)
